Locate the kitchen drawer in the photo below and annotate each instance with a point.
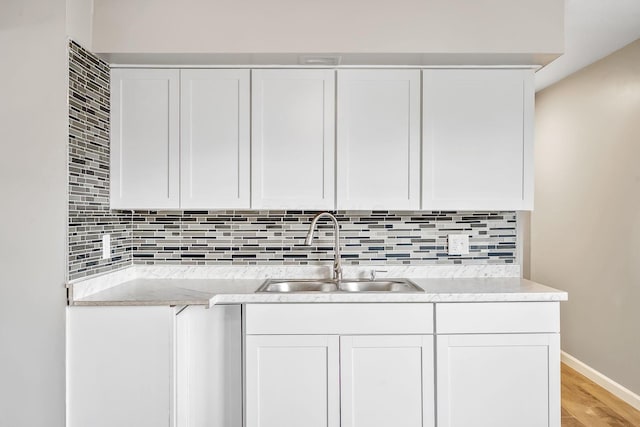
(498, 317)
(343, 319)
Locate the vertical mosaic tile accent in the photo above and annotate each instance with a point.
(89, 214)
(277, 237)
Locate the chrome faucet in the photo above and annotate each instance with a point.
(337, 264)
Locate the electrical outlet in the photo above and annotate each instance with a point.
(458, 244)
(106, 246)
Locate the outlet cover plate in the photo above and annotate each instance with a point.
(458, 244)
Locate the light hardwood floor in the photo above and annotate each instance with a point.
(586, 404)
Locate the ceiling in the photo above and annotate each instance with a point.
(593, 30)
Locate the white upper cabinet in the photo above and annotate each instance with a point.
(477, 139)
(214, 139)
(293, 141)
(287, 139)
(145, 144)
(378, 139)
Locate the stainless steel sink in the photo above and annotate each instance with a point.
(298, 286)
(382, 285)
(399, 285)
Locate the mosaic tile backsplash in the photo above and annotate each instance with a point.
(264, 237)
(240, 237)
(89, 214)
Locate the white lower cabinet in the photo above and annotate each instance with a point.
(209, 367)
(332, 381)
(292, 381)
(387, 380)
(315, 365)
(498, 364)
(379, 365)
(120, 366)
(498, 380)
(307, 373)
(154, 366)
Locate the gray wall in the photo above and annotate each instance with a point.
(585, 230)
(33, 187)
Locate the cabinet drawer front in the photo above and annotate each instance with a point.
(498, 317)
(408, 318)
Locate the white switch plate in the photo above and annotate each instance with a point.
(106, 246)
(458, 244)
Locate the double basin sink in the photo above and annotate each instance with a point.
(348, 285)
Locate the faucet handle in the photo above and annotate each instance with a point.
(375, 272)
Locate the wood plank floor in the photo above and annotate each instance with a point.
(586, 404)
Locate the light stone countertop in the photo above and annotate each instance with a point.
(208, 292)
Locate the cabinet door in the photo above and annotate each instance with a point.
(209, 367)
(293, 139)
(145, 144)
(378, 131)
(498, 380)
(387, 380)
(214, 140)
(120, 366)
(477, 139)
(292, 381)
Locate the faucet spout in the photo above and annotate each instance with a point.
(337, 263)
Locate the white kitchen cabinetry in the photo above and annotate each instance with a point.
(378, 139)
(293, 380)
(120, 366)
(209, 367)
(387, 380)
(154, 366)
(145, 139)
(335, 365)
(477, 148)
(505, 371)
(214, 140)
(293, 143)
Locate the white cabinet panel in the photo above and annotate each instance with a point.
(293, 139)
(120, 366)
(378, 139)
(387, 381)
(214, 139)
(477, 139)
(343, 318)
(498, 380)
(145, 139)
(209, 367)
(498, 317)
(292, 381)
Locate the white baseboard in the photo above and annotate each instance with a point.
(603, 381)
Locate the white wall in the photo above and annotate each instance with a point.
(585, 229)
(259, 26)
(33, 185)
(80, 22)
